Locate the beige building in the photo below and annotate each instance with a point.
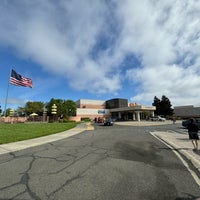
(91, 109)
(187, 111)
(118, 109)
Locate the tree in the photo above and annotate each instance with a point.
(70, 107)
(65, 108)
(156, 103)
(163, 106)
(20, 111)
(58, 103)
(6, 112)
(34, 107)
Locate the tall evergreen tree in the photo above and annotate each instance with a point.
(163, 106)
(156, 103)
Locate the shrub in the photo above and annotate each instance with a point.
(86, 119)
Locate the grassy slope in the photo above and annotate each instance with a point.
(16, 132)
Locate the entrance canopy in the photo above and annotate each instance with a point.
(136, 111)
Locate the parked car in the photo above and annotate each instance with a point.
(186, 122)
(108, 122)
(157, 118)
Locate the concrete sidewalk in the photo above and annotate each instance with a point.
(182, 144)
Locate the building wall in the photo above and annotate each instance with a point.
(116, 103)
(120, 109)
(85, 103)
(186, 111)
(13, 119)
(75, 118)
(92, 112)
(92, 106)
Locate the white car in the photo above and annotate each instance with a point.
(157, 118)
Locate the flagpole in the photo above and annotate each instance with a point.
(7, 95)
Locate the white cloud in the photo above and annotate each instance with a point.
(86, 41)
(181, 85)
(167, 39)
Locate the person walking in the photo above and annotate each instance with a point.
(193, 133)
(174, 120)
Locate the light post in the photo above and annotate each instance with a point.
(54, 110)
(44, 114)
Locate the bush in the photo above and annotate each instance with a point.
(65, 120)
(86, 119)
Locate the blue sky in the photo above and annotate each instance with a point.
(101, 49)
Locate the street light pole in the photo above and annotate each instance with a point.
(44, 114)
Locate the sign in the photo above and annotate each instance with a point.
(101, 111)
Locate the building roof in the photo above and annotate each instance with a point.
(187, 111)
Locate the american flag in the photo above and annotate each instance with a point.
(18, 80)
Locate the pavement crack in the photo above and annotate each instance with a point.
(25, 180)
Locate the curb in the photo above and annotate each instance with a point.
(24, 144)
(191, 158)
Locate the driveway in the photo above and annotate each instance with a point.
(118, 162)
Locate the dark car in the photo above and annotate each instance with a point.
(186, 122)
(108, 122)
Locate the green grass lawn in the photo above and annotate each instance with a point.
(17, 132)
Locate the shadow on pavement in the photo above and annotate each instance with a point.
(176, 149)
(185, 139)
(190, 197)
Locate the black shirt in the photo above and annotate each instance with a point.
(192, 127)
